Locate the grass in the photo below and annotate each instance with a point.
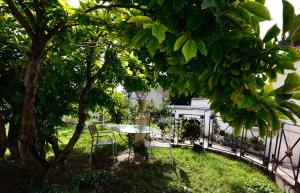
(194, 172)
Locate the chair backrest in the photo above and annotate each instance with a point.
(93, 129)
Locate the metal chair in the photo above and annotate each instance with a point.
(161, 140)
(102, 138)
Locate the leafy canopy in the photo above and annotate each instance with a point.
(213, 49)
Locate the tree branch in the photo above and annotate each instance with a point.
(55, 30)
(128, 6)
(39, 10)
(59, 27)
(19, 17)
(27, 11)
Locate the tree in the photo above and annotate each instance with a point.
(93, 66)
(213, 49)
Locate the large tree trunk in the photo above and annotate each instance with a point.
(3, 138)
(26, 140)
(82, 114)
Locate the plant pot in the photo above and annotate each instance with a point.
(198, 148)
(222, 133)
(142, 105)
(162, 127)
(265, 161)
(222, 142)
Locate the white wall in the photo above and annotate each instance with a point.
(155, 95)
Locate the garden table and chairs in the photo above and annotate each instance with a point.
(137, 135)
(139, 138)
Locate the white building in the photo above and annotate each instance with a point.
(157, 96)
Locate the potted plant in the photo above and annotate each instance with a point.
(221, 138)
(191, 130)
(227, 139)
(163, 123)
(257, 145)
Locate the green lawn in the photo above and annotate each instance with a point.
(194, 172)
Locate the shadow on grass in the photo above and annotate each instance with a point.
(104, 175)
(107, 176)
(148, 176)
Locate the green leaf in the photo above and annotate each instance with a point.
(205, 74)
(208, 4)
(262, 127)
(195, 19)
(255, 25)
(83, 5)
(160, 2)
(176, 60)
(66, 6)
(152, 46)
(202, 47)
(296, 96)
(239, 14)
(280, 98)
(140, 19)
(257, 9)
(261, 1)
(249, 121)
(292, 107)
(175, 70)
(288, 16)
(296, 25)
(268, 89)
(189, 49)
(291, 84)
(274, 120)
(217, 55)
(213, 81)
(286, 113)
(178, 4)
(139, 39)
(236, 94)
(273, 32)
(275, 123)
(237, 125)
(159, 31)
(295, 36)
(288, 65)
(179, 42)
(248, 102)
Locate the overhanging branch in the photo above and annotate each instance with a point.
(128, 6)
(59, 27)
(19, 17)
(27, 11)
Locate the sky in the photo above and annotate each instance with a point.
(275, 7)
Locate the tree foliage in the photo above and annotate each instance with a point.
(213, 48)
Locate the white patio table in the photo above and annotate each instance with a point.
(135, 133)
